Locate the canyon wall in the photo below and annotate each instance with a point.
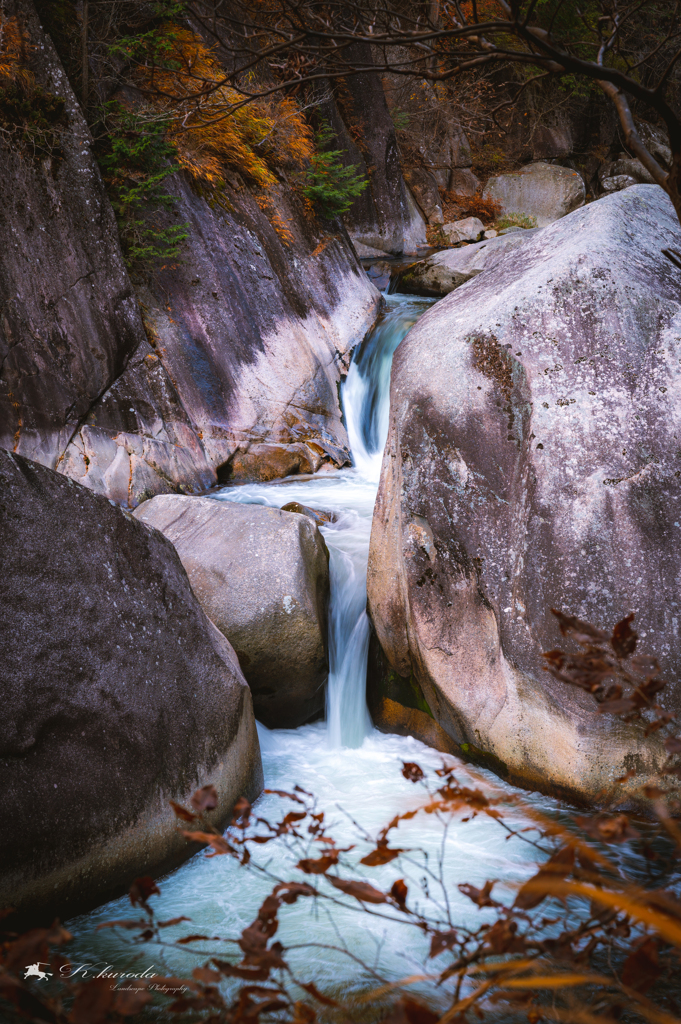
(223, 363)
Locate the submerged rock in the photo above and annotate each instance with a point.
(262, 575)
(532, 462)
(545, 191)
(118, 695)
(316, 514)
(444, 271)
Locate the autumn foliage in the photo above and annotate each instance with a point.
(209, 124)
(456, 205)
(13, 48)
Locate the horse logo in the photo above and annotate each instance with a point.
(33, 971)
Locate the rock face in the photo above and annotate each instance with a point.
(118, 695)
(385, 216)
(237, 346)
(463, 181)
(426, 193)
(254, 347)
(532, 462)
(70, 320)
(262, 576)
(545, 191)
(444, 271)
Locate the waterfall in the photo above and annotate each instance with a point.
(343, 761)
(350, 494)
(366, 405)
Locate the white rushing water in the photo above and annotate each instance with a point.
(350, 494)
(348, 765)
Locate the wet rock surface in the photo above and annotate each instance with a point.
(318, 515)
(532, 462)
(262, 576)
(118, 695)
(544, 191)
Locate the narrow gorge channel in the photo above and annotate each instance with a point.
(353, 770)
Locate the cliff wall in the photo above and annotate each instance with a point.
(224, 362)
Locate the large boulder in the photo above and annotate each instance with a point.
(448, 269)
(470, 229)
(633, 168)
(533, 462)
(118, 695)
(617, 183)
(463, 182)
(544, 191)
(262, 576)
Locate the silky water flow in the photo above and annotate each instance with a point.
(353, 770)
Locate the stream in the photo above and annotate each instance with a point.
(351, 768)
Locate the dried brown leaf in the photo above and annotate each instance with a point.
(205, 799)
(481, 897)
(399, 892)
(141, 889)
(93, 1002)
(381, 855)
(642, 968)
(319, 866)
(623, 639)
(608, 829)
(131, 998)
(312, 989)
(412, 771)
(288, 892)
(441, 941)
(182, 812)
(362, 891)
(582, 632)
(559, 865)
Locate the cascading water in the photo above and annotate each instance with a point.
(344, 761)
(350, 494)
